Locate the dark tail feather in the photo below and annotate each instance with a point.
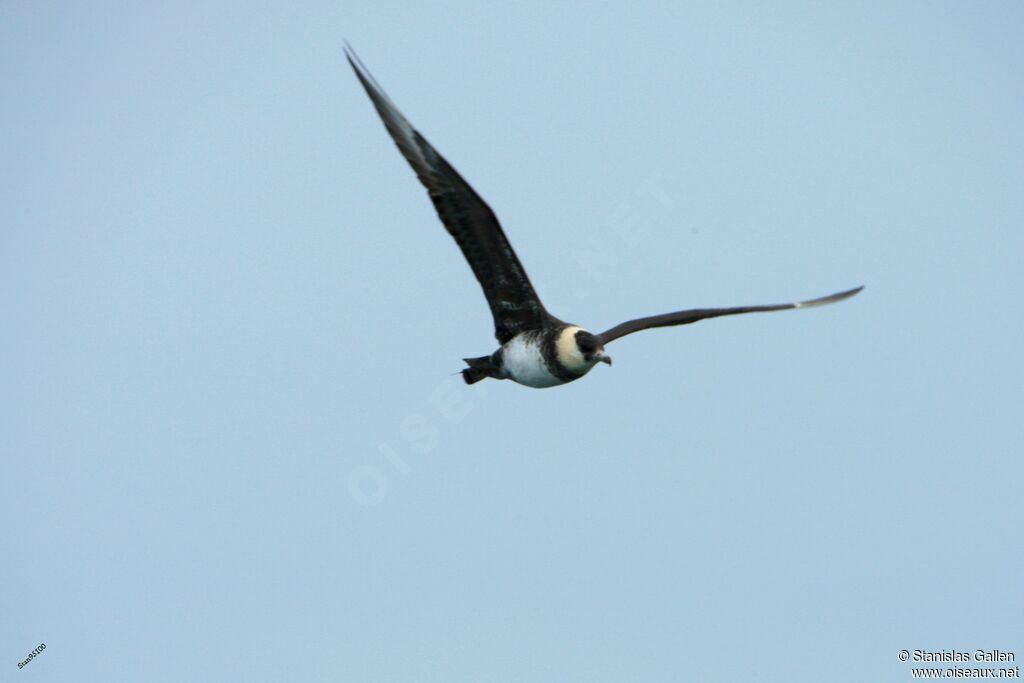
(479, 368)
(473, 375)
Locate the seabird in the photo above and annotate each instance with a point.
(537, 349)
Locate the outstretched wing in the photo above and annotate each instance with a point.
(514, 304)
(693, 315)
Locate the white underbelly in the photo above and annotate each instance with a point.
(524, 364)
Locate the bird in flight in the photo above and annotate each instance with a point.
(537, 349)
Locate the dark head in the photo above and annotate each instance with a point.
(578, 350)
(591, 348)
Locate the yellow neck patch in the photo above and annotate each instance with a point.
(568, 353)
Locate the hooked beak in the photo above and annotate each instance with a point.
(601, 358)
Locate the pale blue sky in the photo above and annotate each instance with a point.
(233, 449)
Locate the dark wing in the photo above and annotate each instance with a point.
(692, 316)
(514, 304)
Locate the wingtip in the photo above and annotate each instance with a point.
(831, 298)
(839, 296)
(369, 82)
(350, 54)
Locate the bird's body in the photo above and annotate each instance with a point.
(537, 349)
(543, 358)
